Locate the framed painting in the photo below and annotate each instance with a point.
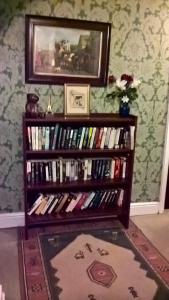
(76, 99)
(59, 51)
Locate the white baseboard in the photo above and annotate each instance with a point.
(144, 208)
(8, 220)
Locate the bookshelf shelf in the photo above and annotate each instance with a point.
(77, 169)
(77, 153)
(78, 185)
(66, 218)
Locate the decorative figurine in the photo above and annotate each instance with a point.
(49, 107)
(31, 106)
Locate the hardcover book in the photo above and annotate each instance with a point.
(55, 137)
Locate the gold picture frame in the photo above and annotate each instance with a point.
(77, 99)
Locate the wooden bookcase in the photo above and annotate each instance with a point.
(32, 190)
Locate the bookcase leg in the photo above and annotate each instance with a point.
(124, 219)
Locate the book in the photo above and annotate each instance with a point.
(55, 137)
(67, 202)
(63, 138)
(103, 138)
(29, 136)
(43, 137)
(88, 200)
(36, 138)
(48, 203)
(68, 168)
(107, 168)
(28, 171)
(36, 172)
(92, 138)
(89, 137)
(53, 205)
(112, 168)
(124, 165)
(51, 136)
(73, 203)
(85, 169)
(70, 138)
(121, 138)
(59, 207)
(112, 202)
(81, 201)
(120, 197)
(36, 204)
(110, 199)
(99, 138)
(67, 138)
(47, 133)
(74, 139)
(117, 136)
(41, 205)
(32, 172)
(117, 168)
(97, 200)
(105, 200)
(60, 170)
(54, 171)
(96, 136)
(39, 138)
(107, 137)
(112, 138)
(85, 139)
(82, 137)
(89, 169)
(90, 205)
(99, 168)
(132, 132)
(59, 137)
(33, 135)
(79, 133)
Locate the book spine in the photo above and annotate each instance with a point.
(92, 138)
(54, 142)
(47, 132)
(82, 137)
(132, 132)
(29, 136)
(56, 199)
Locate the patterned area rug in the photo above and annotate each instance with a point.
(100, 264)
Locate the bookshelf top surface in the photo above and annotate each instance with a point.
(93, 117)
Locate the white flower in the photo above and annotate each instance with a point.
(121, 84)
(135, 83)
(125, 99)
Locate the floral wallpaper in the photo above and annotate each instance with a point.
(139, 46)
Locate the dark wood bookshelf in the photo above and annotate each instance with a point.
(32, 189)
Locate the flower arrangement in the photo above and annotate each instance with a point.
(126, 88)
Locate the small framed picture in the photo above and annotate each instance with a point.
(76, 99)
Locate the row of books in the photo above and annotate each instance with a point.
(63, 170)
(58, 137)
(70, 202)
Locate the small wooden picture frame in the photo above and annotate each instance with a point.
(76, 99)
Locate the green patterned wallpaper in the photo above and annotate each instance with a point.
(139, 46)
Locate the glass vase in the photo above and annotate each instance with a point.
(124, 109)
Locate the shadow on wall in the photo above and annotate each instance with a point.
(9, 9)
